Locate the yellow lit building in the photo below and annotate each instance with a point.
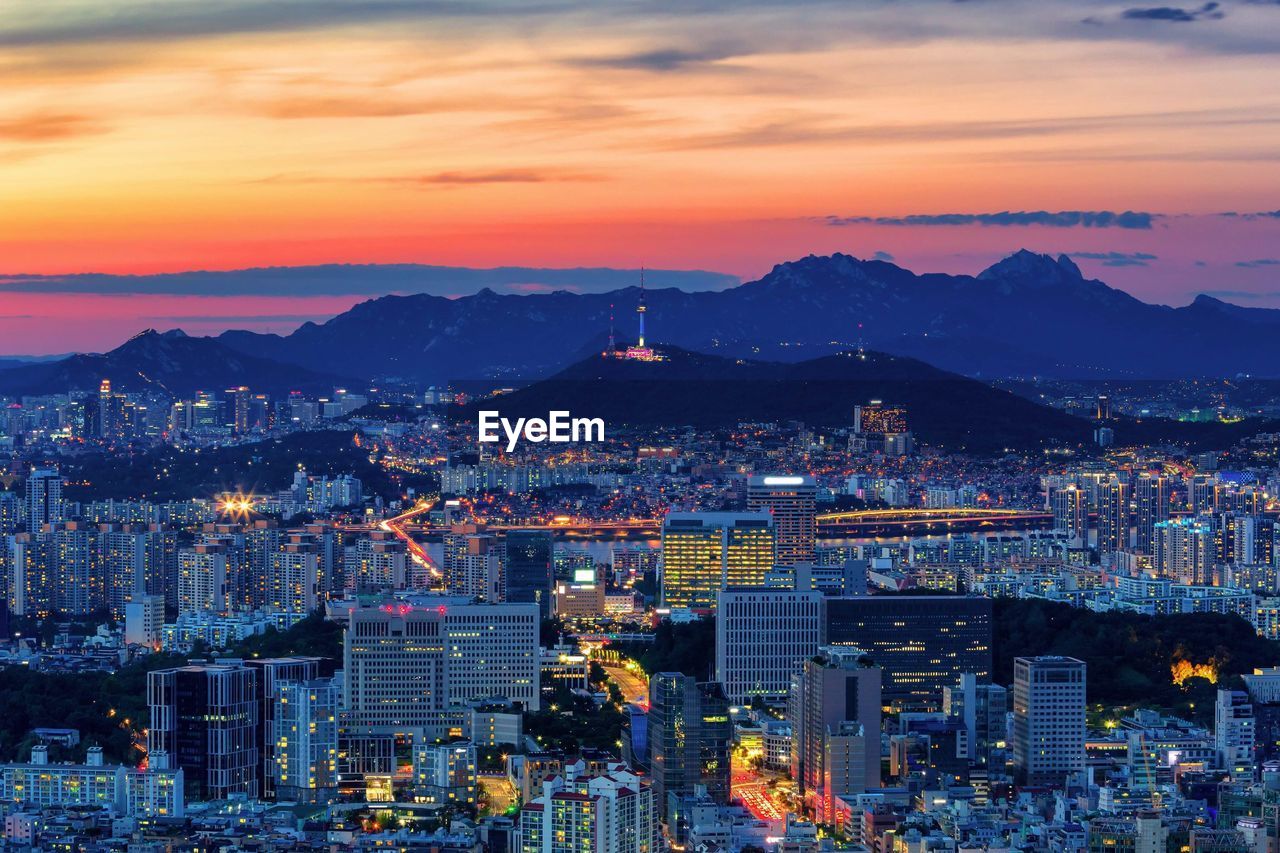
(705, 552)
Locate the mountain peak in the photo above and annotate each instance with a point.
(1032, 268)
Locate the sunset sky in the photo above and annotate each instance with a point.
(719, 135)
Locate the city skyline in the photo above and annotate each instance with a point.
(724, 426)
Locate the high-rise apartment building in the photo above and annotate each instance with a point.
(381, 562)
(1185, 551)
(615, 811)
(43, 499)
(473, 564)
(445, 773)
(269, 675)
(203, 578)
(1071, 514)
(304, 734)
(1151, 497)
(293, 575)
(1113, 518)
(122, 556)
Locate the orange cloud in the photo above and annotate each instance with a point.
(45, 127)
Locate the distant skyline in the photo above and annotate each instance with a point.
(141, 136)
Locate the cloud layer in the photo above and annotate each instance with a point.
(1060, 219)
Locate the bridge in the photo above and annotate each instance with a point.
(905, 520)
(898, 521)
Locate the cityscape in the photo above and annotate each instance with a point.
(590, 428)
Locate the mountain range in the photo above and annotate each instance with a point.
(1028, 314)
(171, 363)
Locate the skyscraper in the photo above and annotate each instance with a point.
(1151, 494)
(689, 736)
(834, 712)
(419, 666)
(1235, 733)
(293, 575)
(240, 400)
(1113, 518)
(1048, 718)
(922, 643)
(1071, 514)
(792, 502)
(1184, 551)
(705, 552)
(269, 675)
(983, 708)
(206, 718)
(762, 637)
(44, 503)
(529, 567)
(305, 737)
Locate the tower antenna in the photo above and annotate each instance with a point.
(640, 309)
(611, 340)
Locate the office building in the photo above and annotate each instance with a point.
(922, 643)
(705, 552)
(834, 711)
(762, 636)
(420, 667)
(983, 709)
(1048, 718)
(1235, 733)
(529, 567)
(689, 737)
(205, 717)
(792, 503)
(144, 620)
